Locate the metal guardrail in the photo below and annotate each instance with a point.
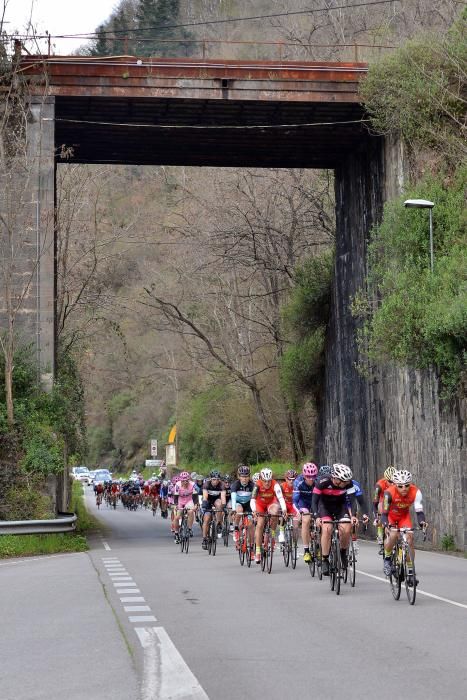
(66, 522)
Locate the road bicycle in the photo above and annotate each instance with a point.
(98, 500)
(403, 565)
(335, 560)
(316, 561)
(352, 553)
(267, 544)
(290, 545)
(212, 532)
(184, 532)
(244, 545)
(226, 528)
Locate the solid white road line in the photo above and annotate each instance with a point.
(136, 608)
(142, 618)
(166, 675)
(132, 599)
(429, 595)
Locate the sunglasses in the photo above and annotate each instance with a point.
(403, 486)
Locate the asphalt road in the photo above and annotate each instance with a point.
(169, 625)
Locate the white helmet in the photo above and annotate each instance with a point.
(255, 477)
(401, 477)
(342, 472)
(266, 474)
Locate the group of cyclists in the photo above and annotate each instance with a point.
(314, 500)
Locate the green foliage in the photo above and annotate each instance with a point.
(99, 442)
(448, 543)
(25, 501)
(24, 374)
(29, 545)
(306, 316)
(194, 425)
(420, 319)
(419, 91)
(85, 522)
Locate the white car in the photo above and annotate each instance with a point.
(81, 474)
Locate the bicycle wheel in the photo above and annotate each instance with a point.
(338, 568)
(264, 550)
(395, 576)
(225, 531)
(271, 545)
(286, 546)
(213, 530)
(242, 544)
(410, 580)
(293, 552)
(345, 572)
(332, 567)
(312, 564)
(352, 559)
(319, 559)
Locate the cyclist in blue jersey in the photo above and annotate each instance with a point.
(302, 498)
(240, 493)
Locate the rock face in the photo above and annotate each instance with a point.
(393, 415)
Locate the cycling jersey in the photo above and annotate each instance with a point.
(184, 494)
(288, 492)
(380, 488)
(302, 493)
(330, 501)
(358, 496)
(241, 493)
(396, 506)
(264, 496)
(214, 491)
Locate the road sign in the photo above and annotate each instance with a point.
(153, 448)
(153, 463)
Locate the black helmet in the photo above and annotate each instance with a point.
(215, 474)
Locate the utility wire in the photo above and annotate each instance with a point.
(90, 35)
(211, 126)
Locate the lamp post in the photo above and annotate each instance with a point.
(424, 204)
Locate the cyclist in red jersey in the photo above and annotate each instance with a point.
(380, 488)
(288, 490)
(267, 497)
(397, 501)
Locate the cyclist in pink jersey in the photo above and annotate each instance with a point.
(185, 496)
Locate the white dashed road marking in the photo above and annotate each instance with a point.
(137, 608)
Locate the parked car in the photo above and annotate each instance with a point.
(81, 474)
(92, 474)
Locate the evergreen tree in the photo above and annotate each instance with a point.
(102, 42)
(154, 18)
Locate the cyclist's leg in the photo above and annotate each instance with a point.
(274, 511)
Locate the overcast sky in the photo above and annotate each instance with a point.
(58, 17)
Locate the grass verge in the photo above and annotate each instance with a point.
(86, 522)
(29, 545)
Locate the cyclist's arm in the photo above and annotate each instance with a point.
(418, 505)
(387, 500)
(223, 498)
(376, 499)
(280, 497)
(315, 500)
(233, 498)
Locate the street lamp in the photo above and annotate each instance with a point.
(424, 204)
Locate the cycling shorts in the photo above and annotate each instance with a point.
(303, 507)
(246, 507)
(400, 520)
(341, 513)
(262, 507)
(292, 510)
(189, 505)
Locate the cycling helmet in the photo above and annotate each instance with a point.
(243, 470)
(214, 474)
(325, 470)
(310, 470)
(227, 478)
(193, 475)
(184, 476)
(266, 474)
(255, 477)
(342, 472)
(402, 477)
(290, 474)
(389, 473)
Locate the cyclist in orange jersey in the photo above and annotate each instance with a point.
(398, 499)
(380, 488)
(267, 497)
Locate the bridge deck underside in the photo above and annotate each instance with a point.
(248, 133)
